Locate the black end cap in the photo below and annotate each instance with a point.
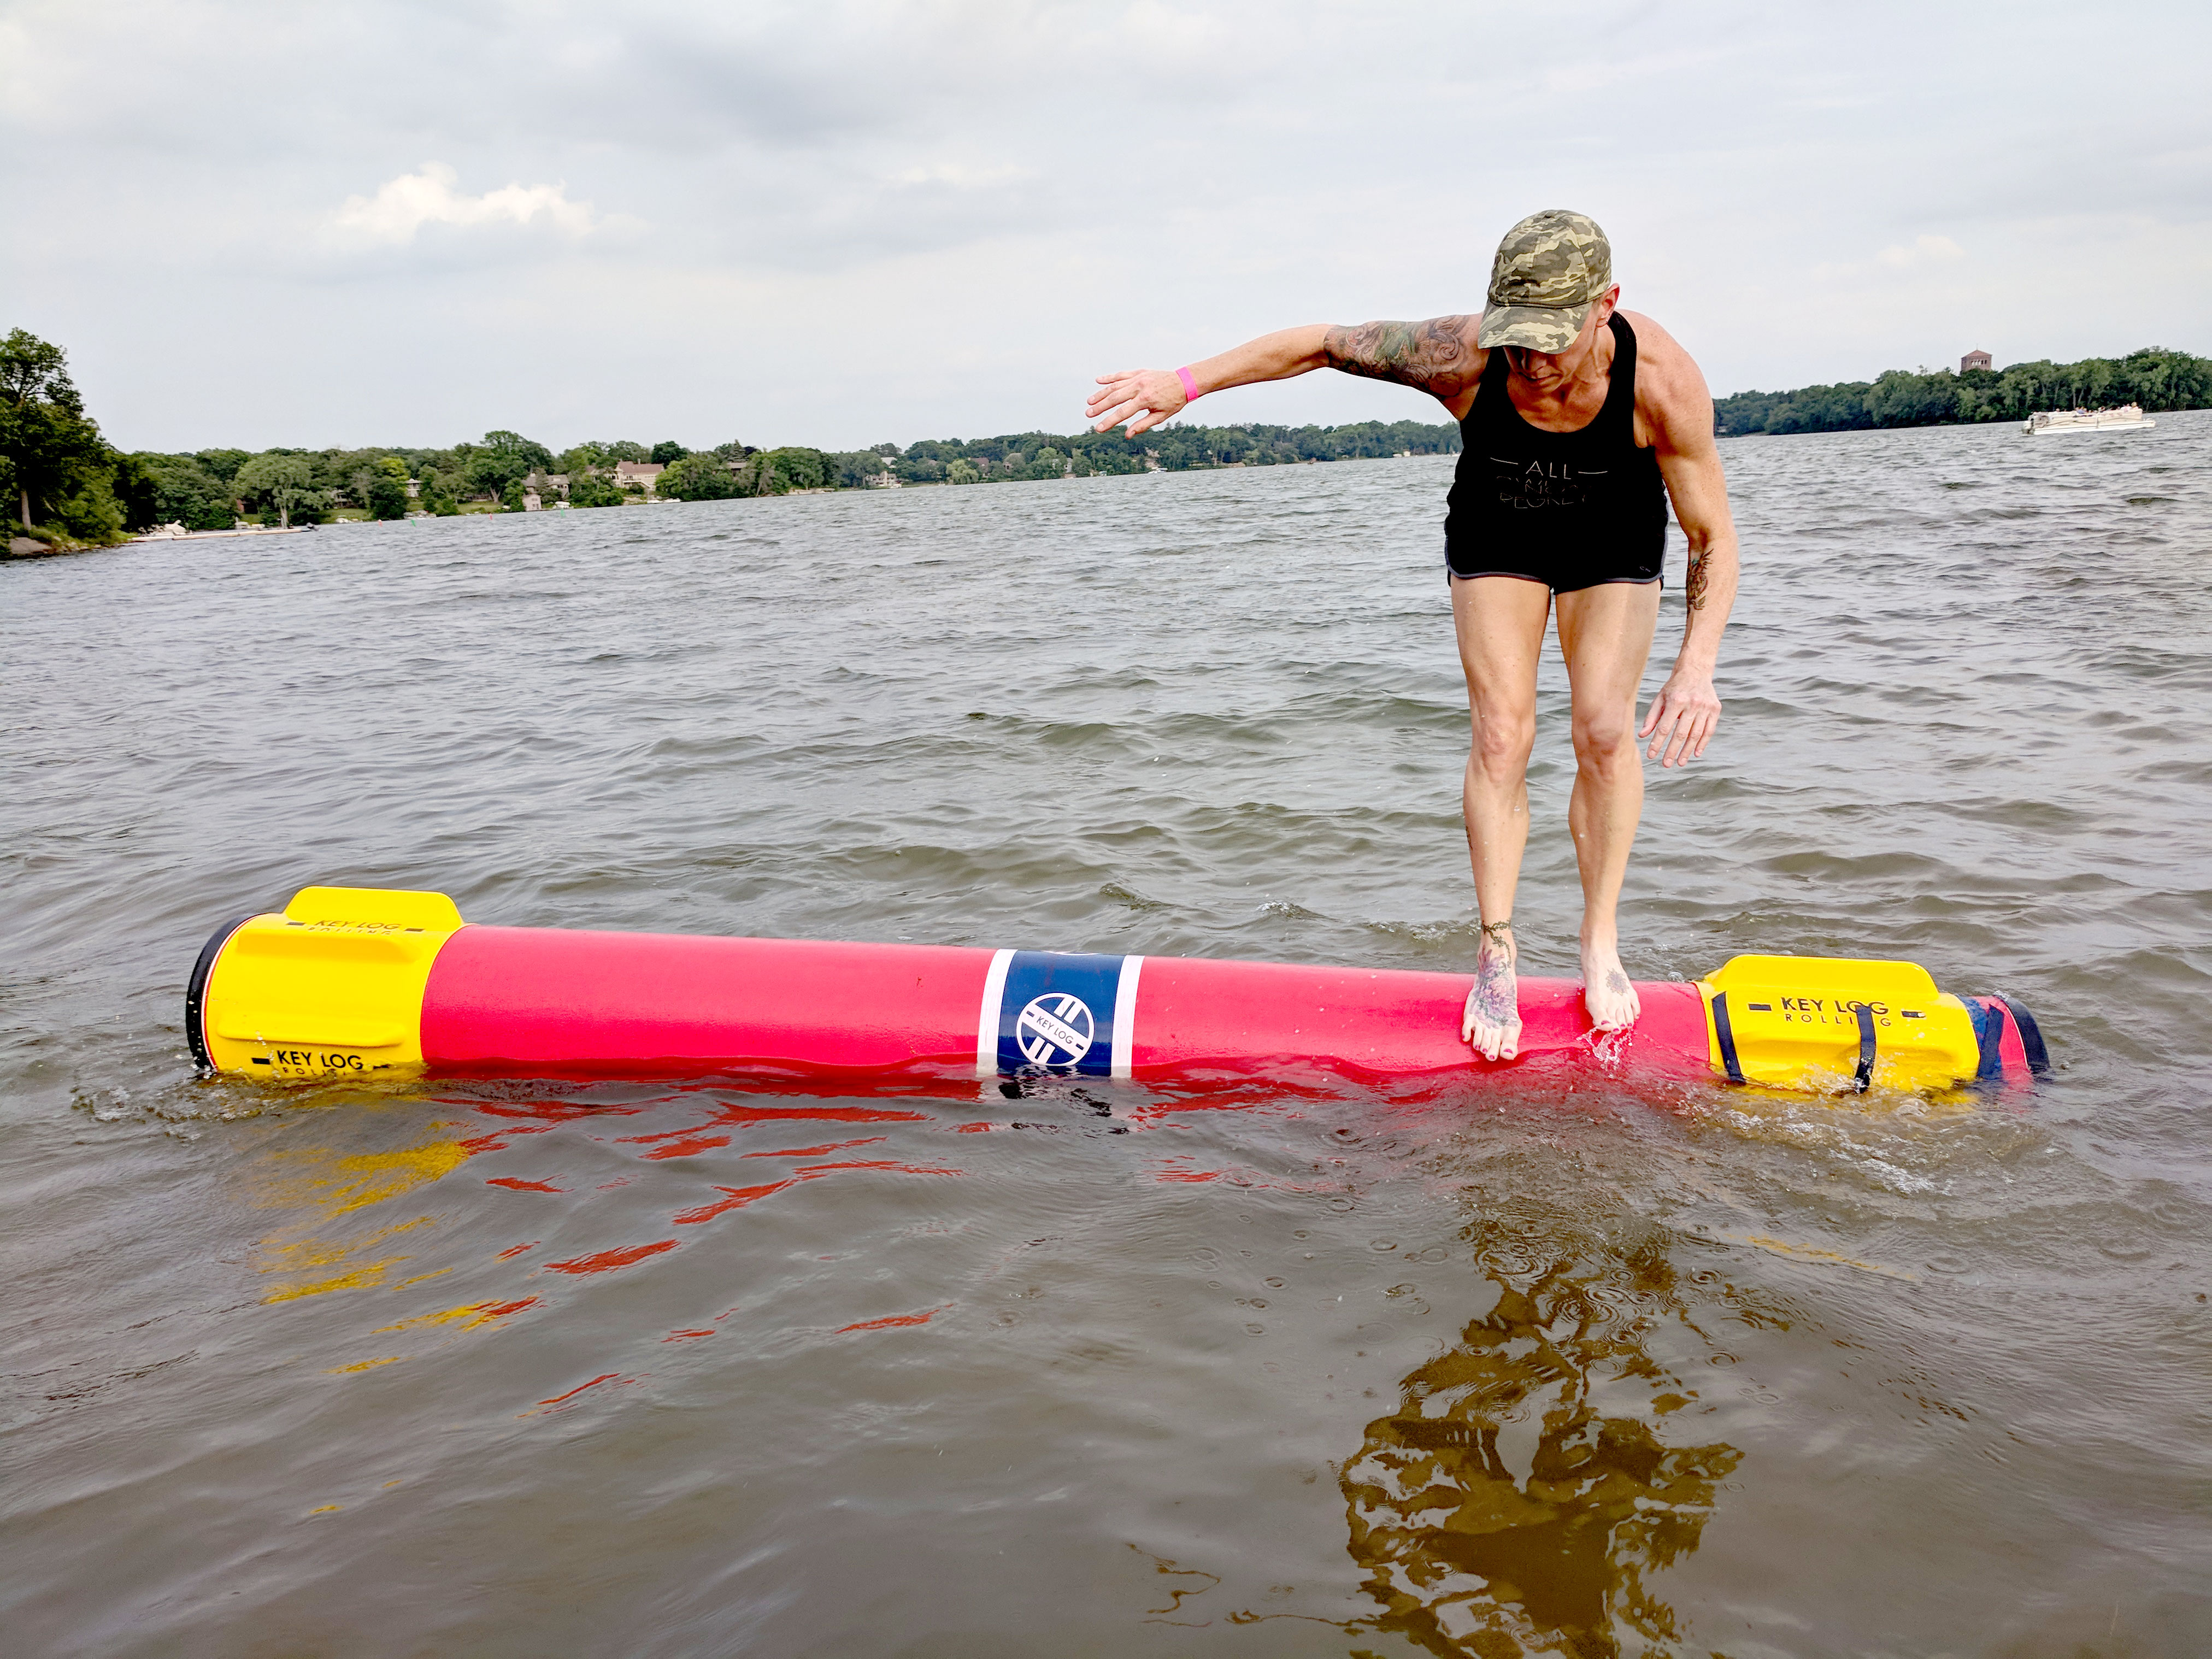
(196, 989)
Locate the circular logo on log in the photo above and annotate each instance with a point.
(1055, 1030)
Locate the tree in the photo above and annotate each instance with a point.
(526, 452)
(56, 460)
(1898, 398)
(962, 470)
(504, 459)
(438, 494)
(668, 453)
(704, 478)
(798, 468)
(858, 469)
(222, 465)
(590, 489)
(387, 490)
(137, 492)
(186, 492)
(286, 480)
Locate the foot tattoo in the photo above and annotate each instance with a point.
(1607, 992)
(1491, 1021)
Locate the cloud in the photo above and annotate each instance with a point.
(404, 206)
(1922, 256)
(1924, 250)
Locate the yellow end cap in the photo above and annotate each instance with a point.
(1795, 1020)
(332, 986)
(375, 906)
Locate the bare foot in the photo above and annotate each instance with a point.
(1607, 992)
(1492, 1019)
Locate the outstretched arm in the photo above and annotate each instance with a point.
(1437, 356)
(1682, 716)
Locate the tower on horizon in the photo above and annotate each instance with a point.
(1975, 360)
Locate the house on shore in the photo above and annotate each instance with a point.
(644, 474)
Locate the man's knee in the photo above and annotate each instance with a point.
(1502, 744)
(1605, 738)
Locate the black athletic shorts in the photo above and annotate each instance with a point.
(1571, 572)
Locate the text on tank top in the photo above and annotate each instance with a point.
(1519, 489)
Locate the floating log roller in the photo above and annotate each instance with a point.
(355, 981)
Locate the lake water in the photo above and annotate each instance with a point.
(521, 1370)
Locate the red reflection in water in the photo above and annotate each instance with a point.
(658, 1134)
(516, 1184)
(607, 1260)
(1174, 1169)
(689, 1146)
(737, 1199)
(557, 1111)
(817, 1151)
(501, 1309)
(740, 1196)
(497, 1140)
(897, 1319)
(739, 1112)
(517, 1250)
(810, 1170)
(974, 1128)
(685, 1336)
(608, 1376)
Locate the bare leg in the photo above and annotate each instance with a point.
(1500, 623)
(1604, 634)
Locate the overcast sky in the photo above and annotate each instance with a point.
(838, 223)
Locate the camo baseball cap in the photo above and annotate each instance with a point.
(1549, 268)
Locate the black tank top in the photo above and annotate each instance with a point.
(1570, 509)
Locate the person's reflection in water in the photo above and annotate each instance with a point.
(1518, 1497)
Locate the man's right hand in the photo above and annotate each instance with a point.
(1142, 397)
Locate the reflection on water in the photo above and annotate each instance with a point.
(326, 1185)
(1535, 1475)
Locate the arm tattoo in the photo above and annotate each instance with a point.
(1431, 356)
(1694, 581)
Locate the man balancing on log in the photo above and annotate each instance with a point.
(1578, 423)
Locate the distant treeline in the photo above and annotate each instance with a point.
(67, 486)
(208, 488)
(1173, 448)
(2154, 377)
(1030, 457)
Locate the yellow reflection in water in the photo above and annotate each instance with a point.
(335, 1184)
(329, 1184)
(1527, 1485)
(304, 1259)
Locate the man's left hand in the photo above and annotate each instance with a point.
(1683, 715)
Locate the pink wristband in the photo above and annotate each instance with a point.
(1189, 386)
